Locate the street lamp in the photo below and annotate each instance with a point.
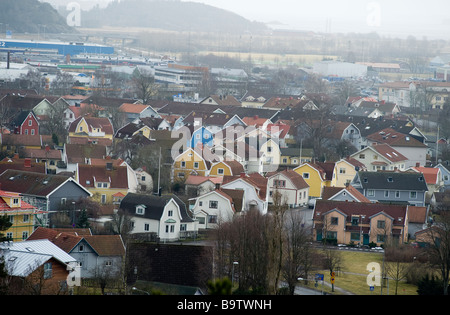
(235, 263)
(362, 217)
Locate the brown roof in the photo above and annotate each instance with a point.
(397, 212)
(329, 192)
(389, 153)
(394, 138)
(76, 153)
(236, 196)
(296, 179)
(417, 214)
(117, 176)
(104, 245)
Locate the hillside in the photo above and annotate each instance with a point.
(30, 16)
(169, 15)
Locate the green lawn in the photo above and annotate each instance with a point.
(353, 274)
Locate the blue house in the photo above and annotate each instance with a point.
(200, 135)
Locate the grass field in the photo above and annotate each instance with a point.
(352, 276)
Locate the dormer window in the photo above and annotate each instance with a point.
(140, 209)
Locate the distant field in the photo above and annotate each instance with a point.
(273, 59)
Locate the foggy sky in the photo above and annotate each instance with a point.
(395, 18)
(386, 17)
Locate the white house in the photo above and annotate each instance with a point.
(291, 187)
(381, 157)
(217, 206)
(165, 216)
(254, 187)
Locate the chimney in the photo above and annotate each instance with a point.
(242, 175)
(418, 164)
(8, 60)
(27, 163)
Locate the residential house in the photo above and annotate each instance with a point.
(23, 216)
(280, 131)
(392, 187)
(214, 122)
(145, 180)
(92, 129)
(254, 186)
(291, 156)
(188, 163)
(216, 207)
(226, 168)
(317, 175)
(257, 122)
(287, 187)
(347, 193)
(103, 181)
(381, 157)
(418, 220)
(165, 216)
(50, 157)
(221, 100)
(432, 176)
(97, 255)
(43, 266)
(445, 174)
(345, 170)
(47, 192)
(25, 123)
(198, 185)
(414, 150)
(360, 223)
(74, 154)
(26, 164)
(200, 136)
(254, 99)
(134, 111)
(16, 142)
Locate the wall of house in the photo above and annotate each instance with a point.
(312, 179)
(70, 191)
(169, 227)
(86, 257)
(189, 167)
(414, 154)
(30, 126)
(343, 173)
(213, 216)
(402, 196)
(251, 196)
(289, 194)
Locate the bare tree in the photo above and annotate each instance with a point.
(439, 247)
(143, 84)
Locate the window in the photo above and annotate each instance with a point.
(334, 221)
(196, 164)
(15, 201)
(32, 132)
(386, 193)
(279, 183)
(146, 227)
(355, 221)
(26, 218)
(81, 248)
(397, 194)
(103, 199)
(362, 156)
(213, 204)
(47, 270)
(24, 235)
(381, 224)
(30, 122)
(183, 164)
(355, 236)
(170, 213)
(342, 170)
(140, 210)
(306, 175)
(371, 192)
(220, 171)
(413, 195)
(212, 219)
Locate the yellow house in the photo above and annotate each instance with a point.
(317, 175)
(92, 127)
(22, 215)
(226, 168)
(105, 182)
(190, 162)
(345, 170)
